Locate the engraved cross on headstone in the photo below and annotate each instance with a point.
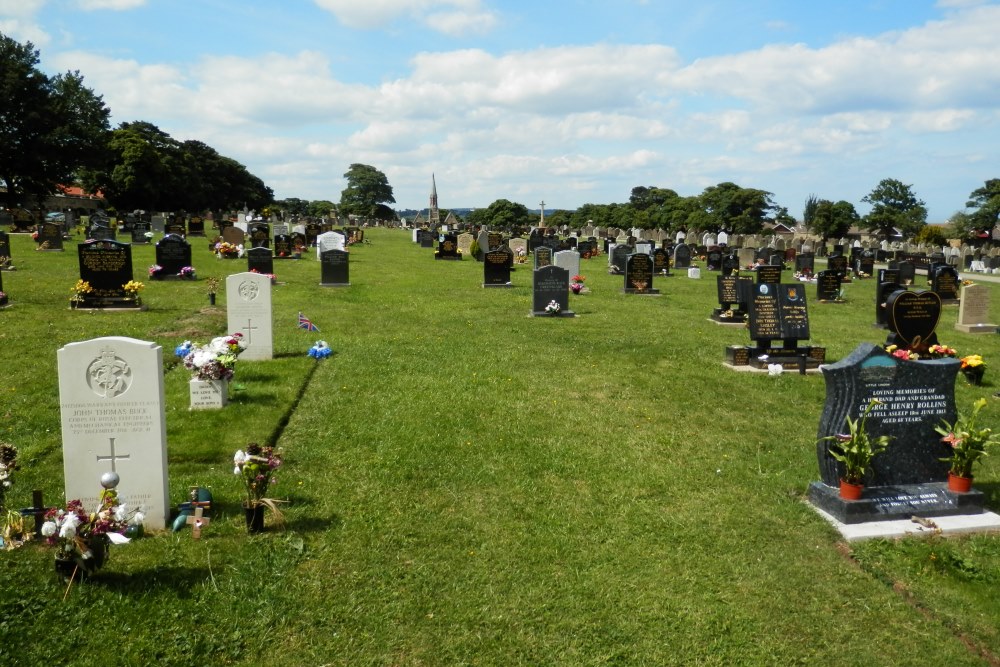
(114, 457)
(249, 329)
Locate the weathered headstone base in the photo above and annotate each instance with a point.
(209, 394)
(977, 328)
(884, 503)
(790, 359)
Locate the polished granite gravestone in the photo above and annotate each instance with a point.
(828, 287)
(731, 291)
(496, 267)
(543, 256)
(448, 248)
(260, 260)
(173, 253)
(639, 275)
(946, 283)
(335, 268)
(912, 318)
(908, 478)
(550, 283)
(107, 267)
(768, 273)
(682, 256)
(777, 312)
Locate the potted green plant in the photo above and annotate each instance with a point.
(968, 444)
(856, 449)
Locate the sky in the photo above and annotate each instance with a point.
(563, 101)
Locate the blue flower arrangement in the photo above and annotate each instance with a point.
(320, 350)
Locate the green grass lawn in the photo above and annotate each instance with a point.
(468, 485)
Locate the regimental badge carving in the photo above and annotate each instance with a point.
(108, 375)
(248, 290)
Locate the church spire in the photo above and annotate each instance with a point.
(433, 214)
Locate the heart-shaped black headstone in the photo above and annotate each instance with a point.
(913, 316)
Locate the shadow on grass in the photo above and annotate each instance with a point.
(179, 579)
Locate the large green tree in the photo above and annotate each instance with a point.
(367, 187)
(146, 168)
(736, 209)
(830, 220)
(50, 128)
(894, 206)
(986, 204)
(502, 213)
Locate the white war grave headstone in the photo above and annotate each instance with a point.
(112, 415)
(248, 308)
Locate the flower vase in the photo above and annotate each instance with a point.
(850, 491)
(974, 374)
(209, 394)
(211, 299)
(85, 564)
(959, 484)
(254, 517)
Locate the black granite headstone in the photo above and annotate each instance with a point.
(50, 236)
(805, 263)
(619, 255)
(543, 256)
(661, 262)
(496, 267)
(550, 283)
(448, 247)
(107, 266)
(915, 396)
(335, 268)
(172, 254)
(260, 235)
(283, 247)
(196, 226)
(945, 283)
(713, 260)
(912, 318)
(639, 274)
(837, 263)
(907, 272)
(260, 260)
(769, 273)
(682, 256)
(828, 286)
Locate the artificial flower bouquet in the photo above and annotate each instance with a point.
(214, 361)
(82, 537)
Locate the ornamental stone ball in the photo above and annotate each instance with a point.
(109, 480)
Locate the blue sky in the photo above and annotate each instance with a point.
(569, 101)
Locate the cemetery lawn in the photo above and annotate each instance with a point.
(468, 485)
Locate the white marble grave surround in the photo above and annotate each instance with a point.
(958, 524)
(111, 409)
(248, 307)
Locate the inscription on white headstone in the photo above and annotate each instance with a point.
(112, 416)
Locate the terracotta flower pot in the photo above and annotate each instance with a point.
(850, 491)
(959, 484)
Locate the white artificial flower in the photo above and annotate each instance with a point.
(49, 528)
(202, 357)
(68, 530)
(775, 369)
(239, 458)
(118, 538)
(138, 518)
(121, 513)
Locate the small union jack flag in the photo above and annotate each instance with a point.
(306, 323)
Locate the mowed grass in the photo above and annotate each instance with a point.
(468, 485)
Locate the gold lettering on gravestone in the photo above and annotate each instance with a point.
(103, 261)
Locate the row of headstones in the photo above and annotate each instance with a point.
(112, 406)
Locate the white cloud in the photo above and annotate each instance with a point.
(943, 63)
(115, 5)
(25, 31)
(451, 17)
